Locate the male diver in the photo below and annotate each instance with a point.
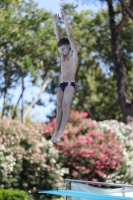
(69, 60)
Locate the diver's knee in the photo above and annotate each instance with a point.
(59, 107)
(65, 105)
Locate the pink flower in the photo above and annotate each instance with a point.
(89, 150)
(75, 174)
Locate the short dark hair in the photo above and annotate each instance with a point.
(63, 41)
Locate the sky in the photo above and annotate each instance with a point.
(54, 5)
(39, 113)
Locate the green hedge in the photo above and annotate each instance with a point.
(6, 194)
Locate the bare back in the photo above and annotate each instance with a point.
(68, 67)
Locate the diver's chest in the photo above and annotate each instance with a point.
(67, 62)
(66, 66)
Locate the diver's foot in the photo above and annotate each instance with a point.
(53, 136)
(58, 135)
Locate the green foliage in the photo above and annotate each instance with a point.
(13, 195)
(27, 160)
(28, 48)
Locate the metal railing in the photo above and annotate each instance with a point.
(97, 183)
(123, 186)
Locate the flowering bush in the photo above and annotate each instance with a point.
(89, 154)
(27, 160)
(125, 134)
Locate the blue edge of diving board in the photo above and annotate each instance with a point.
(91, 196)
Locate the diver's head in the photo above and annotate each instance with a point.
(63, 46)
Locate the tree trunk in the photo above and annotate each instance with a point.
(126, 105)
(37, 99)
(128, 10)
(5, 88)
(15, 109)
(22, 99)
(4, 103)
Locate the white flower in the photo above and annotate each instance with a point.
(2, 147)
(124, 133)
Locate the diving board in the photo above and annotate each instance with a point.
(90, 196)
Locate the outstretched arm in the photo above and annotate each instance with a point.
(69, 34)
(56, 29)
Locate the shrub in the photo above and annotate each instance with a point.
(13, 195)
(89, 154)
(125, 134)
(27, 160)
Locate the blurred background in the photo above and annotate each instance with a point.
(102, 108)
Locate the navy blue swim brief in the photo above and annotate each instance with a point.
(65, 84)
